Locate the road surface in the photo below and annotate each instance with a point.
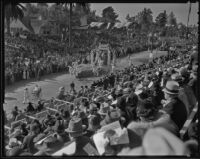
(51, 83)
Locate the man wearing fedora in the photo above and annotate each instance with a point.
(75, 130)
(174, 106)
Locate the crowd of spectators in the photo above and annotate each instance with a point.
(151, 103)
(24, 60)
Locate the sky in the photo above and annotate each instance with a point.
(180, 10)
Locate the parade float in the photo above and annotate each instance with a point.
(101, 60)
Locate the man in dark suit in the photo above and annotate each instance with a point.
(75, 130)
(174, 106)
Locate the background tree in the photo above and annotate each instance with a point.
(43, 10)
(109, 15)
(171, 20)
(71, 6)
(15, 11)
(145, 19)
(161, 20)
(31, 9)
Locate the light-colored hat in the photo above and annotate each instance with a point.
(75, 127)
(172, 87)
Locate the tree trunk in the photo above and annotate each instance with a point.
(70, 29)
(8, 25)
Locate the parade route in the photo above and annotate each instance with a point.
(50, 83)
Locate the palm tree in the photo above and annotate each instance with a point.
(15, 11)
(71, 5)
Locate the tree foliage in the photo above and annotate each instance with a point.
(171, 20)
(109, 15)
(161, 19)
(13, 10)
(145, 19)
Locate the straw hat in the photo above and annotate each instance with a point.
(75, 127)
(172, 87)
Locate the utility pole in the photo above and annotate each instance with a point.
(188, 20)
(70, 27)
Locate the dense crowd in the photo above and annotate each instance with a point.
(24, 61)
(135, 111)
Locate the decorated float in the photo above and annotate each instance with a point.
(101, 60)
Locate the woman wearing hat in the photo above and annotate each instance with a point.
(174, 106)
(75, 130)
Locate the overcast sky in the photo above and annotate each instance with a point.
(180, 10)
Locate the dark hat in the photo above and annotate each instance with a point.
(172, 87)
(75, 127)
(81, 115)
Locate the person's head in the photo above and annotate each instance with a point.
(66, 114)
(171, 90)
(145, 108)
(16, 108)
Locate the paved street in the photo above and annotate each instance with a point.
(51, 83)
